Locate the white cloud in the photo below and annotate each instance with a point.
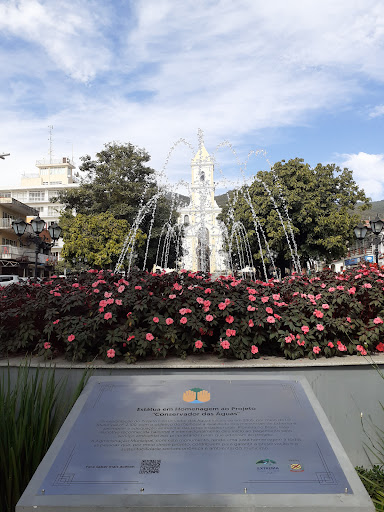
(67, 31)
(368, 172)
(377, 111)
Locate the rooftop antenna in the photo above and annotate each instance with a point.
(50, 143)
(3, 155)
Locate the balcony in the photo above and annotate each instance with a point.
(9, 252)
(6, 223)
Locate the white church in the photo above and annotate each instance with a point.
(203, 247)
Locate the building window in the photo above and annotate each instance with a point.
(37, 196)
(52, 193)
(53, 211)
(5, 194)
(7, 241)
(186, 220)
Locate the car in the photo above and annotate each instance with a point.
(6, 280)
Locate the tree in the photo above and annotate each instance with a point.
(119, 182)
(319, 203)
(95, 240)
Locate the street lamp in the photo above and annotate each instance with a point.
(376, 225)
(37, 224)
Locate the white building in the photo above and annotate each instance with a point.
(37, 190)
(203, 240)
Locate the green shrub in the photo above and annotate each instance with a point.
(149, 315)
(31, 413)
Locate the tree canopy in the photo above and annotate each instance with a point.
(119, 182)
(95, 240)
(320, 204)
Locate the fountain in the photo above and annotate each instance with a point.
(200, 240)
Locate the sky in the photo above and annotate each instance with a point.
(275, 80)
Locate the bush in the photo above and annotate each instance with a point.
(150, 315)
(31, 413)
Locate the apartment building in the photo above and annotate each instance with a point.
(37, 189)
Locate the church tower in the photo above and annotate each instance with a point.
(202, 242)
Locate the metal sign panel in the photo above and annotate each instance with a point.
(195, 436)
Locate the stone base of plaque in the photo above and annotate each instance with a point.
(199, 443)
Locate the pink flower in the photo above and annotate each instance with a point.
(107, 295)
(169, 321)
(222, 306)
(367, 285)
(254, 349)
(269, 310)
(276, 296)
(121, 288)
(155, 319)
(107, 316)
(138, 288)
(111, 353)
(320, 327)
(57, 321)
(380, 347)
(325, 306)
(252, 298)
(209, 318)
(96, 290)
(47, 345)
(75, 285)
(271, 319)
(250, 323)
(251, 308)
(352, 290)
(316, 349)
(348, 319)
(149, 336)
(227, 301)
(341, 347)
(305, 329)
(172, 296)
(229, 319)
(225, 344)
(331, 289)
(71, 337)
(183, 320)
(177, 287)
(208, 290)
(119, 302)
(318, 314)
(323, 285)
(200, 300)
(378, 321)
(288, 339)
(198, 344)
(131, 337)
(230, 332)
(264, 299)
(301, 343)
(330, 344)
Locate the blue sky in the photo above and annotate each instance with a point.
(289, 77)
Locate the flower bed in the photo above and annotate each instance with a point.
(99, 314)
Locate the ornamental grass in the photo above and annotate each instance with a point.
(32, 410)
(145, 315)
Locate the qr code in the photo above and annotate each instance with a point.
(150, 466)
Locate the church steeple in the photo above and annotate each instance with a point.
(202, 168)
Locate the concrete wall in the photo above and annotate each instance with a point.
(343, 391)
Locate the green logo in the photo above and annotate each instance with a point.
(266, 462)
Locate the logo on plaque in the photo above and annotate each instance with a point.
(196, 396)
(296, 467)
(266, 462)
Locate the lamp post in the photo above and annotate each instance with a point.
(19, 227)
(376, 226)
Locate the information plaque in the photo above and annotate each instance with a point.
(230, 440)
